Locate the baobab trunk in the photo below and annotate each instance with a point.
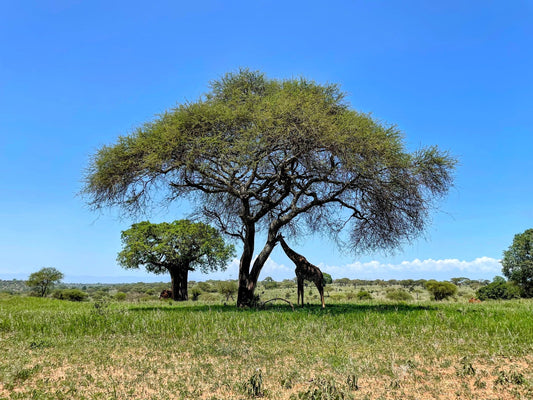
(178, 277)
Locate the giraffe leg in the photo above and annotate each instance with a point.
(301, 291)
(321, 291)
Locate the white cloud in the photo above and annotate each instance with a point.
(479, 268)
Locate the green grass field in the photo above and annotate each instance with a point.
(54, 349)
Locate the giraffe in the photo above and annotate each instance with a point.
(304, 270)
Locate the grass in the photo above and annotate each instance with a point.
(53, 349)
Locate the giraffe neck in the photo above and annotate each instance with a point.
(295, 257)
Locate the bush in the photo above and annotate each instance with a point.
(210, 297)
(227, 288)
(70, 294)
(269, 283)
(441, 290)
(498, 290)
(120, 296)
(398, 295)
(195, 292)
(363, 295)
(206, 287)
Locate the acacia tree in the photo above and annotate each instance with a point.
(43, 280)
(175, 248)
(257, 154)
(517, 262)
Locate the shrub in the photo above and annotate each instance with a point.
(498, 290)
(227, 288)
(120, 296)
(398, 295)
(253, 387)
(363, 295)
(324, 389)
(441, 290)
(210, 297)
(269, 283)
(206, 287)
(195, 292)
(70, 294)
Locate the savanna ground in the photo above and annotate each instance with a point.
(373, 349)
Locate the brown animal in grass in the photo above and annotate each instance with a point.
(472, 300)
(304, 271)
(166, 294)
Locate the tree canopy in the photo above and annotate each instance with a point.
(257, 154)
(176, 248)
(517, 262)
(43, 280)
(441, 290)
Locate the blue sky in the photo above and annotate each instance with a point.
(76, 74)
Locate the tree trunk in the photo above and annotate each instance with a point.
(245, 294)
(248, 278)
(178, 277)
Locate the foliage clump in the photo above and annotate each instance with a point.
(499, 289)
(398, 295)
(517, 262)
(253, 387)
(195, 293)
(363, 295)
(70, 294)
(441, 290)
(206, 287)
(227, 289)
(120, 296)
(270, 283)
(325, 389)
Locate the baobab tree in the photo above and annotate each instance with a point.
(174, 248)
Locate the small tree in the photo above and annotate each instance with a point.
(227, 288)
(176, 248)
(43, 280)
(517, 262)
(441, 290)
(328, 280)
